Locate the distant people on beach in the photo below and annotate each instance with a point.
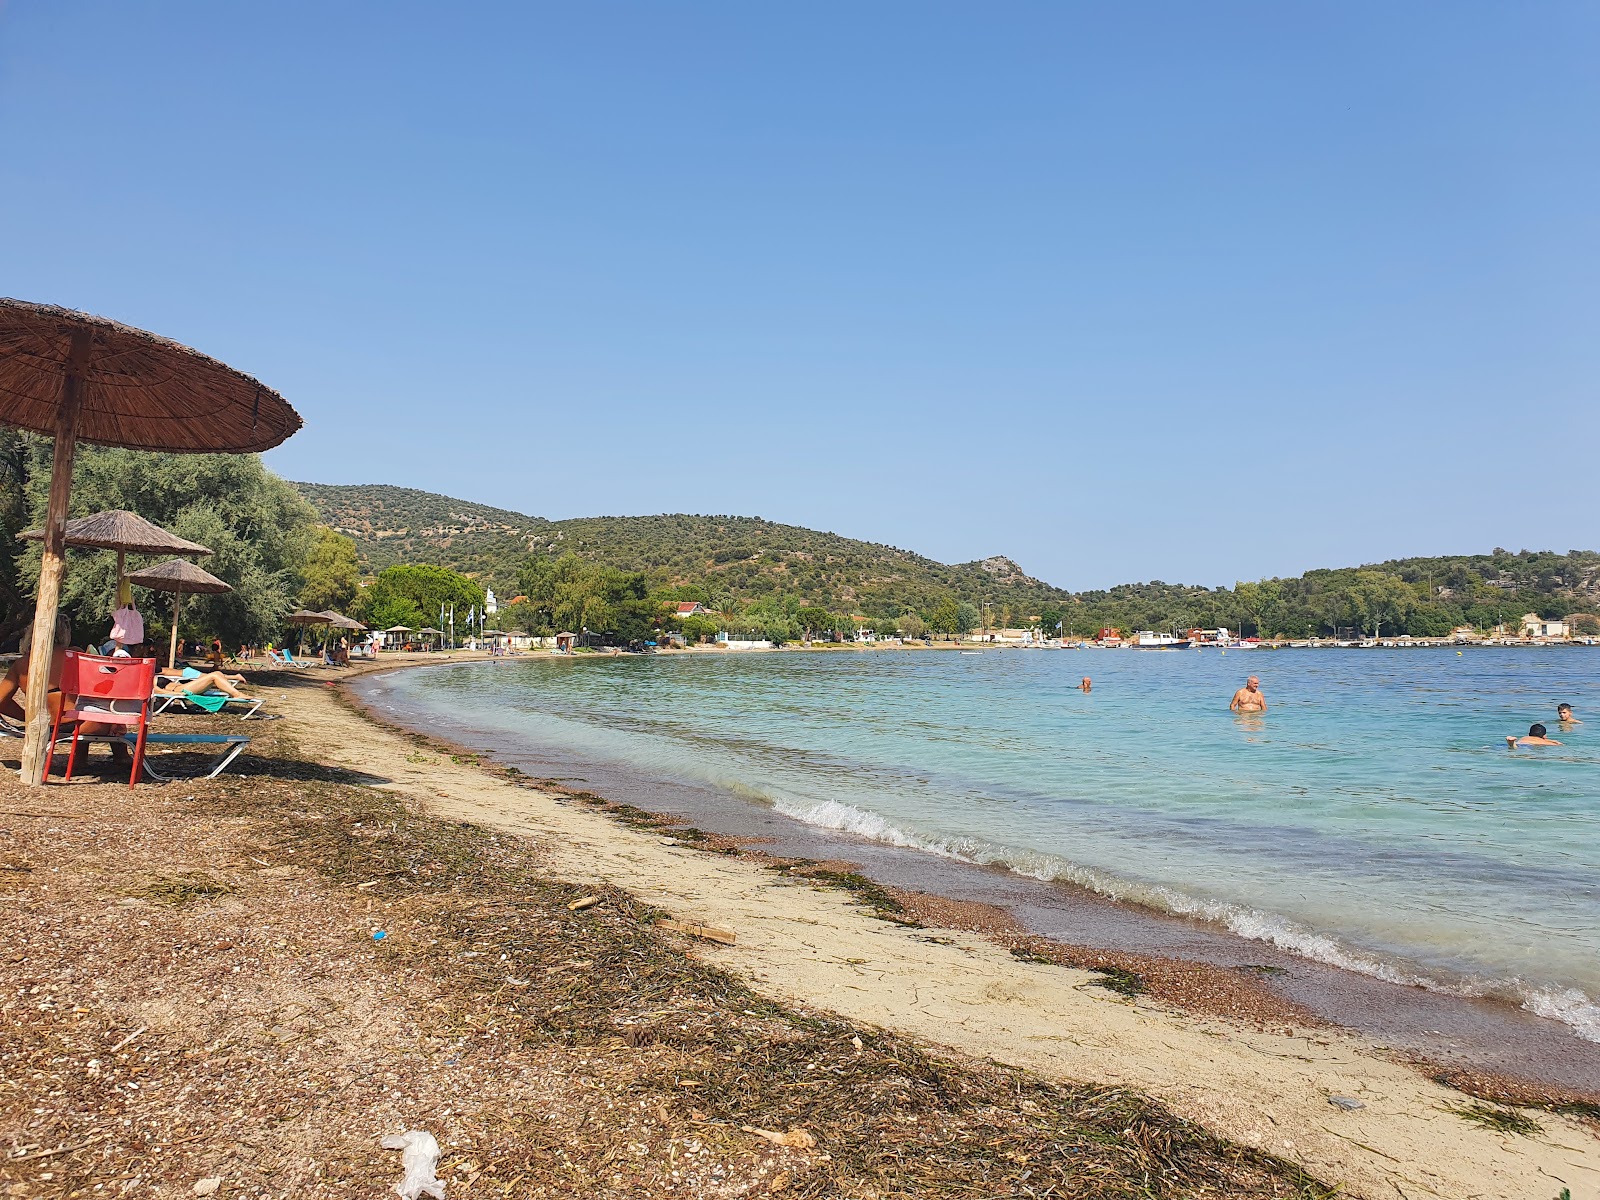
(1087, 685)
(1564, 715)
(1249, 698)
(1536, 737)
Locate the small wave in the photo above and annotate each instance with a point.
(1569, 1006)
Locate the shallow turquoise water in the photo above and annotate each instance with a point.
(1373, 817)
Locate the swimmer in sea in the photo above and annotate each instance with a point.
(1249, 698)
(1564, 715)
(1085, 685)
(1536, 737)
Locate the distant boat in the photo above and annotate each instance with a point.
(1146, 640)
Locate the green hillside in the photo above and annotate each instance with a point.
(731, 560)
(737, 562)
(393, 525)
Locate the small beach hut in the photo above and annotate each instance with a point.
(181, 578)
(76, 377)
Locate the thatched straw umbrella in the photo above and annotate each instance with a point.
(340, 621)
(181, 578)
(76, 377)
(122, 531)
(303, 617)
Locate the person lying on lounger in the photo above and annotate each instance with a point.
(194, 683)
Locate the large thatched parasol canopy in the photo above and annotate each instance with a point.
(118, 529)
(73, 376)
(183, 578)
(340, 621)
(135, 389)
(306, 617)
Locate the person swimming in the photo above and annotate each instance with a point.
(1249, 698)
(1536, 737)
(1564, 714)
(1087, 685)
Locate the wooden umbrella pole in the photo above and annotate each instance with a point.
(172, 654)
(36, 742)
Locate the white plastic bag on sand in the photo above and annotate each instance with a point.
(420, 1158)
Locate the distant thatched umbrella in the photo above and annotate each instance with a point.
(304, 617)
(122, 531)
(398, 629)
(75, 377)
(179, 577)
(340, 621)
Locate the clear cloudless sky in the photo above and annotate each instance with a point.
(1168, 290)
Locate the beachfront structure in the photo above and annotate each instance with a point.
(1535, 626)
(690, 608)
(1014, 637)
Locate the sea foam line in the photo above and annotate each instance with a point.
(1570, 1006)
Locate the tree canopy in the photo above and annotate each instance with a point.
(259, 527)
(414, 595)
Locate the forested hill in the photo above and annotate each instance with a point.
(730, 559)
(394, 525)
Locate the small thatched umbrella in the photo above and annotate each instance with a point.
(303, 617)
(75, 377)
(180, 578)
(340, 621)
(122, 531)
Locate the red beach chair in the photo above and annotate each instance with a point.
(109, 691)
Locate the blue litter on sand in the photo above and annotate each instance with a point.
(378, 935)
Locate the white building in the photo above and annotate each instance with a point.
(1534, 625)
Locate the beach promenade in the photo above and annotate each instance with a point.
(254, 958)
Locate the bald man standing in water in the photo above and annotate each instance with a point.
(1249, 698)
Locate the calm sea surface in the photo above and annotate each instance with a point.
(1372, 818)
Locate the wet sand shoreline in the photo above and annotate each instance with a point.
(1466, 1035)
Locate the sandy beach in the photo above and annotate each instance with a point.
(1328, 1101)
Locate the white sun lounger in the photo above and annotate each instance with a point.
(161, 701)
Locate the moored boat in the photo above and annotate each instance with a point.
(1146, 640)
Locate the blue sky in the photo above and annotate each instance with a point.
(1179, 291)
